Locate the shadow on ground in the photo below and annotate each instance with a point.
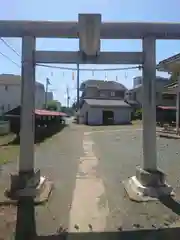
(41, 135)
(26, 229)
(171, 203)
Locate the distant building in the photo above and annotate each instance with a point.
(50, 96)
(134, 96)
(10, 93)
(102, 102)
(137, 81)
(171, 65)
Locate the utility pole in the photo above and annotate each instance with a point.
(78, 86)
(78, 92)
(46, 91)
(68, 97)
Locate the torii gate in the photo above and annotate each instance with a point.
(89, 29)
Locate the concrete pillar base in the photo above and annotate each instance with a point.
(147, 186)
(29, 184)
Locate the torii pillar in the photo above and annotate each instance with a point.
(28, 182)
(149, 182)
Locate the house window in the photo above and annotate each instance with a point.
(134, 96)
(6, 87)
(112, 94)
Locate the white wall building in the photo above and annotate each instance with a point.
(102, 102)
(10, 93)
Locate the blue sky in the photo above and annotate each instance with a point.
(111, 10)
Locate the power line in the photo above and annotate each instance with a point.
(90, 69)
(65, 68)
(9, 46)
(4, 55)
(74, 69)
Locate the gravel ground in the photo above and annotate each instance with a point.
(119, 152)
(58, 160)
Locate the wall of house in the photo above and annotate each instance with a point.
(10, 97)
(122, 115)
(95, 115)
(49, 96)
(39, 97)
(93, 92)
(136, 94)
(167, 102)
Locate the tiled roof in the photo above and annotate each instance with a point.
(103, 85)
(106, 103)
(41, 112)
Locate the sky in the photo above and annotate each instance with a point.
(68, 10)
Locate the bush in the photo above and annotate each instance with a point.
(137, 114)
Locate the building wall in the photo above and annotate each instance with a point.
(49, 97)
(137, 81)
(136, 94)
(10, 96)
(94, 92)
(91, 92)
(39, 97)
(122, 115)
(95, 115)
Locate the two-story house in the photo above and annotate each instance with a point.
(10, 93)
(102, 102)
(134, 96)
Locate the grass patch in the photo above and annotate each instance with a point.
(8, 152)
(137, 122)
(10, 144)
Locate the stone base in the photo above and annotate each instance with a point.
(36, 187)
(147, 186)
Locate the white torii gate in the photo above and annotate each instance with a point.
(89, 29)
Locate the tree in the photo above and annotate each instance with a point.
(67, 110)
(174, 77)
(53, 105)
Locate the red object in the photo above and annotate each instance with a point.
(49, 113)
(167, 107)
